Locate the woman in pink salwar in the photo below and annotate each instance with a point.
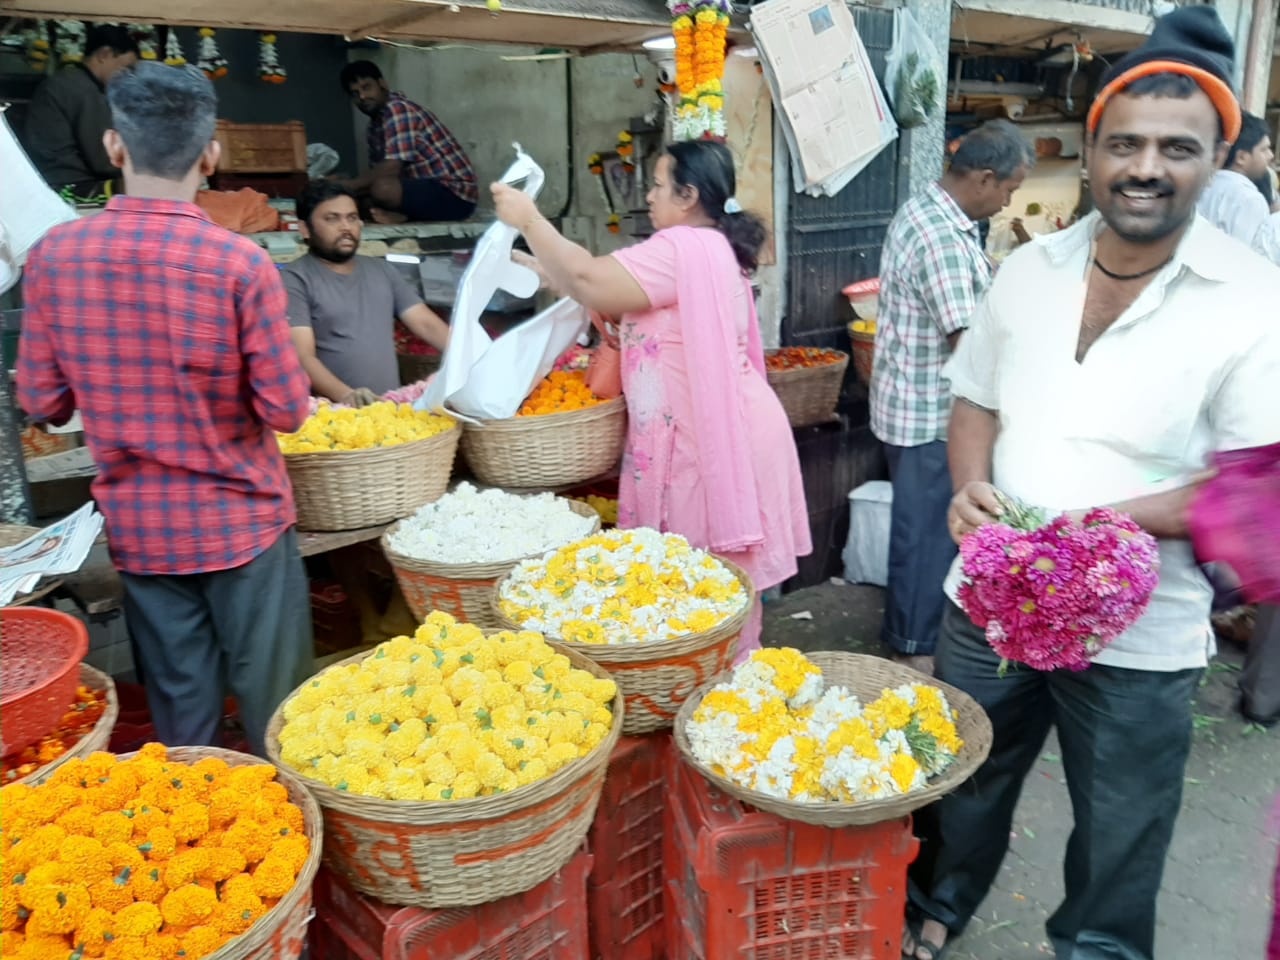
(709, 454)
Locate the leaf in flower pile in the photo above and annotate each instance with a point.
(1019, 515)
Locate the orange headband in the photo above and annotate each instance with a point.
(1224, 100)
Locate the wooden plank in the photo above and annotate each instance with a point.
(1084, 15)
(311, 543)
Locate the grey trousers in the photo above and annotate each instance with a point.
(246, 630)
(1125, 736)
(1260, 680)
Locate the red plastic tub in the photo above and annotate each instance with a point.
(40, 654)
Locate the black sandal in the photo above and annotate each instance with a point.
(935, 951)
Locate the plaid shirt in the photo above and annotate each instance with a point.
(170, 335)
(933, 272)
(404, 131)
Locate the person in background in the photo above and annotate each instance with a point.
(69, 114)
(171, 337)
(1236, 199)
(417, 168)
(343, 307)
(933, 270)
(1066, 399)
(709, 454)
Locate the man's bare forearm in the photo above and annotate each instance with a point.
(971, 437)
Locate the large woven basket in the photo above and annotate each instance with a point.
(458, 853)
(462, 590)
(657, 677)
(866, 677)
(280, 933)
(810, 394)
(548, 450)
(864, 353)
(96, 739)
(348, 489)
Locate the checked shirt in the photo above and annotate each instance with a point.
(404, 131)
(171, 337)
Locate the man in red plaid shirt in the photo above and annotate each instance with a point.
(171, 337)
(417, 168)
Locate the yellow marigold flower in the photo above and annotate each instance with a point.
(439, 769)
(904, 769)
(138, 920)
(490, 769)
(559, 754)
(403, 784)
(400, 744)
(188, 906)
(465, 786)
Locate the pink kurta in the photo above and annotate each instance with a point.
(710, 454)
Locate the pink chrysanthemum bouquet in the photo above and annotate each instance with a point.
(1054, 595)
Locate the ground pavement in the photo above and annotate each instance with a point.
(1216, 902)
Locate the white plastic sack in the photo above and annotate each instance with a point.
(28, 208)
(913, 72)
(322, 160)
(866, 552)
(488, 379)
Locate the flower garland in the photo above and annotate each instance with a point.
(269, 68)
(776, 728)
(212, 63)
(701, 29)
(35, 42)
(70, 40)
(145, 35)
(595, 163)
(173, 55)
(626, 150)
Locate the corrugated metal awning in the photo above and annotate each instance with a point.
(573, 24)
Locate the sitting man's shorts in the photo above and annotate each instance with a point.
(431, 201)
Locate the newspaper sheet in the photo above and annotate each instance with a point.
(834, 114)
(57, 549)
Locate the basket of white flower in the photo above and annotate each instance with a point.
(833, 739)
(662, 617)
(442, 785)
(451, 554)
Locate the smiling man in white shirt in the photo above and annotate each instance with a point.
(1086, 379)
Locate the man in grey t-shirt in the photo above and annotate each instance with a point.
(343, 308)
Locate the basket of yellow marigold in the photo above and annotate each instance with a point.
(563, 434)
(360, 467)
(162, 854)
(660, 616)
(453, 768)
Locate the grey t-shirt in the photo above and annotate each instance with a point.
(352, 315)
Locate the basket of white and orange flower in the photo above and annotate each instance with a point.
(661, 616)
(359, 467)
(452, 768)
(833, 739)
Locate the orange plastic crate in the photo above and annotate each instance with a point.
(624, 894)
(548, 922)
(746, 885)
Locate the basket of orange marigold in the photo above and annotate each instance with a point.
(807, 381)
(162, 854)
(563, 434)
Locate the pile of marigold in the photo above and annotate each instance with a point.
(143, 859)
(381, 424)
(561, 391)
(799, 358)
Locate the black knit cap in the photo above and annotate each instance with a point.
(1193, 38)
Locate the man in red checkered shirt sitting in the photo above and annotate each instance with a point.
(417, 168)
(170, 335)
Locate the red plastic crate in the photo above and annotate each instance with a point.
(548, 922)
(747, 885)
(624, 894)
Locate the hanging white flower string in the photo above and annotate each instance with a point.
(70, 40)
(269, 68)
(173, 54)
(145, 34)
(211, 62)
(35, 42)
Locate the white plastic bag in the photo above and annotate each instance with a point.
(488, 379)
(866, 552)
(913, 72)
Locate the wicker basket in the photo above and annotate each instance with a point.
(864, 354)
(416, 366)
(656, 678)
(810, 394)
(281, 932)
(459, 853)
(462, 590)
(549, 450)
(865, 676)
(96, 739)
(348, 489)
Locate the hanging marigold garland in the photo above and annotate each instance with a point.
(700, 29)
(35, 42)
(595, 163)
(269, 68)
(145, 35)
(70, 40)
(626, 151)
(173, 54)
(211, 62)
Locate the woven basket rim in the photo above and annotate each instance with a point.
(371, 454)
(977, 744)
(98, 737)
(547, 420)
(805, 373)
(313, 822)
(426, 813)
(474, 571)
(653, 650)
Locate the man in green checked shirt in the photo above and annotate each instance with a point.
(933, 271)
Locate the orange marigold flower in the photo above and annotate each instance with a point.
(186, 867)
(10, 918)
(94, 932)
(189, 821)
(202, 940)
(188, 906)
(240, 885)
(114, 826)
(145, 819)
(164, 946)
(112, 895)
(124, 855)
(10, 943)
(73, 773)
(127, 948)
(275, 792)
(293, 849)
(224, 863)
(37, 947)
(250, 838)
(224, 805)
(237, 914)
(147, 884)
(139, 920)
(100, 763)
(159, 844)
(273, 877)
(39, 846)
(58, 908)
(87, 856)
(153, 751)
(79, 820)
(292, 818)
(250, 779)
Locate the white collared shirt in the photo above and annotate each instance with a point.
(1192, 367)
(1234, 204)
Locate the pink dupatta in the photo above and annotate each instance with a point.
(704, 306)
(1235, 519)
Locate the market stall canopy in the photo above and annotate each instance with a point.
(572, 24)
(1030, 26)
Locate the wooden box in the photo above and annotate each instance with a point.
(261, 147)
